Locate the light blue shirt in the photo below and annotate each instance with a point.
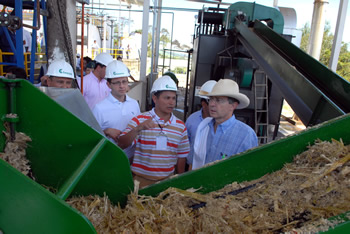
(231, 137)
(192, 124)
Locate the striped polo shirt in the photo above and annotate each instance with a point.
(149, 162)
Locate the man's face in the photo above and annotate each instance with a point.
(166, 102)
(205, 106)
(119, 86)
(84, 63)
(100, 71)
(89, 70)
(59, 82)
(220, 109)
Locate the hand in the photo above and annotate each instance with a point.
(112, 133)
(146, 125)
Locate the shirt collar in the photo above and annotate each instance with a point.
(157, 118)
(200, 114)
(96, 79)
(225, 125)
(114, 100)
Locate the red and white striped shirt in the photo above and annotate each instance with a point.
(149, 162)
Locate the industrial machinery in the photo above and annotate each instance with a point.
(244, 43)
(70, 158)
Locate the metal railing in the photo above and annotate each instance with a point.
(26, 62)
(114, 52)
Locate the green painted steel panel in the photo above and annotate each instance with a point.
(26, 207)
(3, 110)
(66, 155)
(257, 162)
(255, 11)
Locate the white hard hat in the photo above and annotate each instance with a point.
(60, 69)
(164, 83)
(206, 89)
(116, 69)
(104, 58)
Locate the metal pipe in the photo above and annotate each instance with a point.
(156, 54)
(171, 39)
(143, 59)
(339, 29)
(12, 105)
(164, 8)
(186, 89)
(19, 36)
(34, 46)
(37, 15)
(82, 50)
(317, 28)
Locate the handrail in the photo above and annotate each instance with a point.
(26, 61)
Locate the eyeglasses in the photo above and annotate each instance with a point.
(217, 100)
(124, 82)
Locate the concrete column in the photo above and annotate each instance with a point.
(104, 29)
(317, 28)
(71, 17)
(333, 62)
(143, 65)
(157, 36)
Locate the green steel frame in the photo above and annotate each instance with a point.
(66, 155)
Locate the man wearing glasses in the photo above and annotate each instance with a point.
(222, 135)
(115, 111)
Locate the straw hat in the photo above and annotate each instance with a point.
(229, 88)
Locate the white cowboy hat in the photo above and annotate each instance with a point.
(229, 88)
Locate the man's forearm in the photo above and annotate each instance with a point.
(126, 140)
(180, 166)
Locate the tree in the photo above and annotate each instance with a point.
(164, 37)
(186, 47)
(343, 67)
(177, 44)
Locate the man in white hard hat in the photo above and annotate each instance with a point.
(195, 118)
(115, 111)
(222, 135)
(59, 74)
(95, 87)
(160, 138)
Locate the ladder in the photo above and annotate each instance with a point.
(261, 111)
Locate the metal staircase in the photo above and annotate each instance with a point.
(261, 107)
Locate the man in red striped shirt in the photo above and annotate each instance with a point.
(160, 137)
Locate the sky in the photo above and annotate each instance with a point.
(183, 25)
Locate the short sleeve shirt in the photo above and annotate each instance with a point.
(150, 162)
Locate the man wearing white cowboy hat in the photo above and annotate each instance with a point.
(222, 135)
(195, 118)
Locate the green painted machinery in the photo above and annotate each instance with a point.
(251, 12)
(66, 155)
(73, 159)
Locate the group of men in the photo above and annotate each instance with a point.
(157, 143)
